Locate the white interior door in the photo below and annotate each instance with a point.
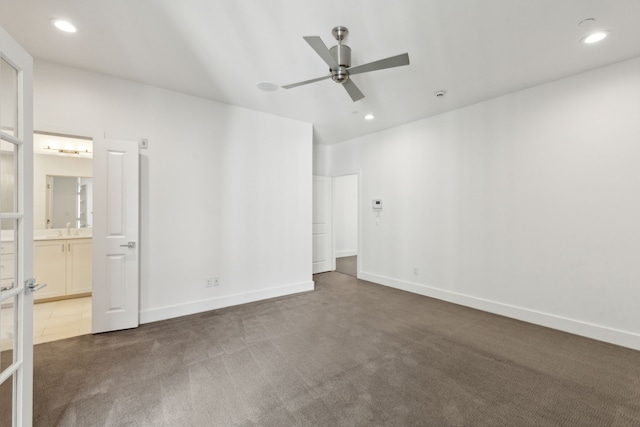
(16, 200)
(323, 259)
(115, 236)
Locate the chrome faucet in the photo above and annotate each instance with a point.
(68, 229)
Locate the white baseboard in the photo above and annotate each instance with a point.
(169, 312)
(589, 330)
(342, 254)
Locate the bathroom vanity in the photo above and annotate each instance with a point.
(7, 264)
(64, 264)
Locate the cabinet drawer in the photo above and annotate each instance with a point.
(7, 266)
(7, 247)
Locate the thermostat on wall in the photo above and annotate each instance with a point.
(377, 204)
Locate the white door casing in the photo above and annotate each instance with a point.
(323, 257)
(16, 221)
(115, 236)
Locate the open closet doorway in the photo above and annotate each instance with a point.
(345, 217)
(63, 238)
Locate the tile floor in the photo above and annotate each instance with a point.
(61, 319)
(51, 321)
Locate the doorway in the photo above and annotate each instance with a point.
(63, 240)
(345, 214)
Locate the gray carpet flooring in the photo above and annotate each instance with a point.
(351, 353)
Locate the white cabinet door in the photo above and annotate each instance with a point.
(79, 260)
(7, 270)
(50, 267)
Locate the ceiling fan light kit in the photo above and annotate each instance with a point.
(338, 58)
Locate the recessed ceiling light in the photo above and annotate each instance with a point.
(267, 86)
(63, 25)
(586, 22)
(595, 37)
(369, 117)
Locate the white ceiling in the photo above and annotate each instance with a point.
(220, 49)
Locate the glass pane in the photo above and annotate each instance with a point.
(8, 174)
(7, 397)
(8, 324)
(8, 261)
(8, 98)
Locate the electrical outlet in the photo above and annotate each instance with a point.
(216, 281)
(144, 143)
(415, 270)
(209, 283)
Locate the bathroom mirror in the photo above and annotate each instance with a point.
(69, 200)
(62, 184)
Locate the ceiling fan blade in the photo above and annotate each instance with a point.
(353, 90)
(321, 49)
(306, 82)
(394, 61)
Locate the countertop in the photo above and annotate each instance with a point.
(63, 237)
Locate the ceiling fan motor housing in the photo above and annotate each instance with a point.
(342, 55)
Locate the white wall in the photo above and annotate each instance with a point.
(43, 165)
(345, 215)
(225, 191)
(526, 205)
(320, 159)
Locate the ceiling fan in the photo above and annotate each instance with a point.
(338, 58)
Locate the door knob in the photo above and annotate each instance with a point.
(130, 245)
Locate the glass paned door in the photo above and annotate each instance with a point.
(9, 98)
(6, 407)
(16, 234)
